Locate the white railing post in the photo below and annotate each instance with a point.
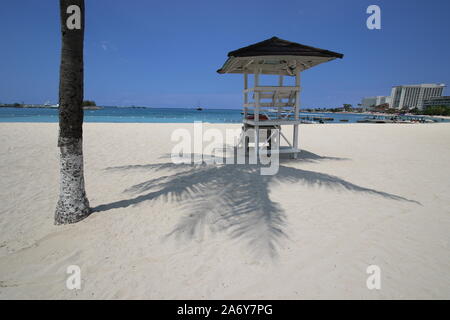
(256, 114)
(297, 109)
(245, 95)
(280, 100)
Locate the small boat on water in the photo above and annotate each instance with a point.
(375, 119)
(92, 108)
(198, 108)
(308, 121)
(402, 119)
(343, 120)
(322, 119)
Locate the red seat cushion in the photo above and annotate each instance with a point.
(262, 117)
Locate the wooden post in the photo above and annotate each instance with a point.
(256, 115)
(256, 93)
(246, 140)
(280, 80)
(280, 84)
(297, 110)
(245, 94)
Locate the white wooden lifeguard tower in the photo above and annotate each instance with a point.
(270, 107)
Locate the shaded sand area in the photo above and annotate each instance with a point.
(359, 195)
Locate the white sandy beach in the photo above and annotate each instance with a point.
(360, 195)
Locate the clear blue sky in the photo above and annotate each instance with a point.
(166, 53)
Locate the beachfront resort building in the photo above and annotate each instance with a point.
(408, 96)
(369, 102)
(437, 101)
(413, 96)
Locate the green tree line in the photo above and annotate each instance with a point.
(433, 111)
(89, 103)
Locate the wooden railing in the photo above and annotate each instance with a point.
(275, 102)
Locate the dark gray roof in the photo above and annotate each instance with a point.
(277, 46)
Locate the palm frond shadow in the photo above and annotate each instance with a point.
(231, 198)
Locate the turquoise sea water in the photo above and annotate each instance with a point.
(133, 115)
(161, 115)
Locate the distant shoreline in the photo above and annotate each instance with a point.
(27, 106)
(45, 107)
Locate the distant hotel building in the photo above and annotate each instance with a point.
(437, 101)
(375, 101)
(413, 96)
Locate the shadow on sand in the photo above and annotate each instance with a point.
(232, 198)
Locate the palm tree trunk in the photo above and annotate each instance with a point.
(73, 204)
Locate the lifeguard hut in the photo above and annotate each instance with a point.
(267, 108)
